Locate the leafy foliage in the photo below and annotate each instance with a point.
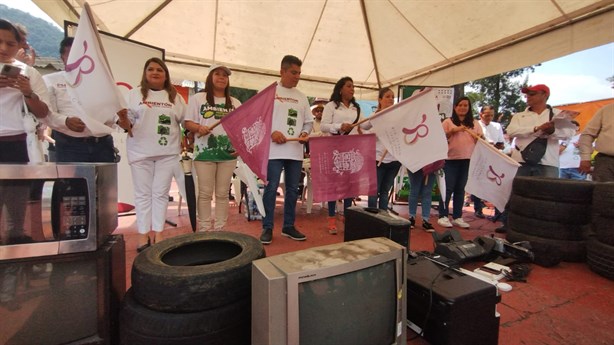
(42, 35)
(502, 91)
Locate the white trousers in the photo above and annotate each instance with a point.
(213, 176)
(152, 181)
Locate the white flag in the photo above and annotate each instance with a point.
(411, 131)
(89, 77)
(491, 174)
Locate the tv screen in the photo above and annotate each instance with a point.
(335, 310)
(344, 293)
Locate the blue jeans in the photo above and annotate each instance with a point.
(386, 172)
(83, 150)
(292, 169)
(332, 206)
(538, 170)
(419, 190)
(572, 173)
(457, 172)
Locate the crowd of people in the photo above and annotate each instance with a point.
(156, 116)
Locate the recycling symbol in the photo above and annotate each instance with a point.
(291, 131)
(163, 141)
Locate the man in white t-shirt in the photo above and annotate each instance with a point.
(494, 135)
(292, 119)
(569, 157)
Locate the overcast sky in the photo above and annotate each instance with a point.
(579, 77)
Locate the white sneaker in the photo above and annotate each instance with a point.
(445, 222)
(460, 223)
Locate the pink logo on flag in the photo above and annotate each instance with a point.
(491, 174)
(343, 166)
(417, 131)
(72, 66)
(248, 126)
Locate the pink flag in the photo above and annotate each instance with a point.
(343, 166)
(249, 130)
(89, 78)
(491, 174)
(411, 131)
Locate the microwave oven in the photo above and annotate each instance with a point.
(49, 209)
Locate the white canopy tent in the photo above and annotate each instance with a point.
(376, 42)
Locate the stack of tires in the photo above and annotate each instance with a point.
(600, 248)
(191, 289)
(554, 215)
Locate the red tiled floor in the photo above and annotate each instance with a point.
(563, 305)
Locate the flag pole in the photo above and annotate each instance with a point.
(475, 136)
(88, 10)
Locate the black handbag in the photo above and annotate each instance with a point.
(535, 151)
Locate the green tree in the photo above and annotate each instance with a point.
(502, 91)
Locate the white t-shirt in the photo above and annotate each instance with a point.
(291, 116)
(12, 101)
(155, 125)
(216, 146)
(570, 157)
(493, 132)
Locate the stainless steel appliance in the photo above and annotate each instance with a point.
(49, 209)
(64, 299)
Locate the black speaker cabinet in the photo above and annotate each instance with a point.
(459, 310)
(366, 222)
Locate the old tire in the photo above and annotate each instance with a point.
(553, 189)
(600, 258)
(547, 229)
(573, 251)
(553, 211)
(603, 199)
(195, 272)
(228, 324)
(604, 229)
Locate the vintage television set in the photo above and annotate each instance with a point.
(344, 293)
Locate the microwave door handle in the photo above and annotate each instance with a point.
(47, 210)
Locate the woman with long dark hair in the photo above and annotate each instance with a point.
(460, 147)
(152, 119)
(338, 118)
(387, 165)
(214, 156)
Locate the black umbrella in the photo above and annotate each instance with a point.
(190, 190)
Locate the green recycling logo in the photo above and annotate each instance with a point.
(163, 141)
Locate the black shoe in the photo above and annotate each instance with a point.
(412, 222)
(501, 229)
(292, 233)
(479, 214)
(143, 247)
(267, 236)
(428, 227)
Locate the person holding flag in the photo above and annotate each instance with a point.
(214, 156)
(291, 124)
(152, 119)
(456, 168)
(338, 118)
(387, 165)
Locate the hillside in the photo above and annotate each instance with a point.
(43, 36)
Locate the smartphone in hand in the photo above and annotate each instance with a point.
(10, 70)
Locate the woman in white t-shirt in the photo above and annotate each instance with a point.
(214, 156)
(155, 111)
(338, 118)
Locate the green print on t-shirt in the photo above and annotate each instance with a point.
(218, 148)
(218, 111)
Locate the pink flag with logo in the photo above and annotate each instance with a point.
(249, 130)
(89, 78)
(343, 166)
(411, 131)
(491, 174)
